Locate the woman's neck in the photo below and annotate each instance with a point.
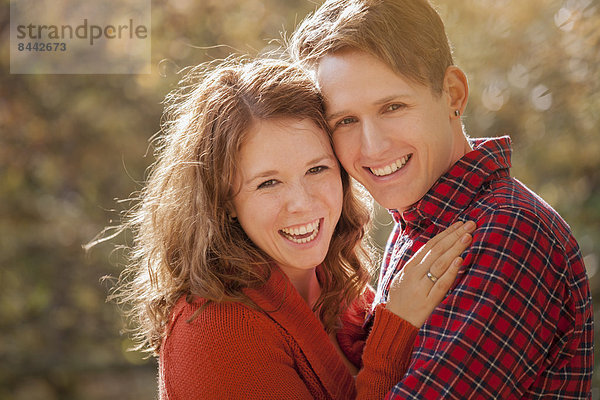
(306, 283)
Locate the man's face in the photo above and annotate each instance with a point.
(392, 135)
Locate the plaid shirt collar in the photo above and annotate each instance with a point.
(457, 188)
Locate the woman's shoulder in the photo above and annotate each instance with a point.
(198, 316)
(209, 329)
(206, 338)
(226, 350)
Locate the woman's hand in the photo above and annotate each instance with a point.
(428, 275)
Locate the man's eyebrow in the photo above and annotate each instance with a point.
(378, 102)
(329, 117)
(387, 99)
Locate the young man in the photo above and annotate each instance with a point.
(518, 323)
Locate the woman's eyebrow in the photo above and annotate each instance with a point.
(271, 172)
(320, 158)
(261, 174)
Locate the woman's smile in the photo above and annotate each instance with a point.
(302, 234)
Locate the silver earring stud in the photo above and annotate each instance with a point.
(456, 113)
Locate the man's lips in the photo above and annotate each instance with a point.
(391, 168)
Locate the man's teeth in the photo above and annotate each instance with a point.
(393, 167)
(308, 232)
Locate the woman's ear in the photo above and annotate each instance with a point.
(457, 89)
(231, 214)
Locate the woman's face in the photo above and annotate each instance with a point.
(290, 196)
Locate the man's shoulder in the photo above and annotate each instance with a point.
(508, 198)
(509, 193)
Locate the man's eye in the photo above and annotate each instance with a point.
(267, 184)
(394, 107)
(346, 121)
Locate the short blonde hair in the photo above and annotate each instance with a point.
(185, 243)
(407, 35)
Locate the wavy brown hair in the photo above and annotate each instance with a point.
(184, 242)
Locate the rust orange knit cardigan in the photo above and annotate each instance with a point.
(232, 351)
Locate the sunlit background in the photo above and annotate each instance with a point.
(72, 146)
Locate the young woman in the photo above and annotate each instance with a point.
(249, 275)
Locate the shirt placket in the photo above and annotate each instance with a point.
(401, 253)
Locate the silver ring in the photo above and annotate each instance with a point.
(432, 277)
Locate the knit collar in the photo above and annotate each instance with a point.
(282, 302)
(457, 188)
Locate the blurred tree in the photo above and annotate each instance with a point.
(70, 145)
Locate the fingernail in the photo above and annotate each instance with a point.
(466, 238)
(469, 226)
(457, 262)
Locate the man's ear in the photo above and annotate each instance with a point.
(457, 89)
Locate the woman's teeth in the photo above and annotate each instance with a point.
(393, 167)
(302, 234)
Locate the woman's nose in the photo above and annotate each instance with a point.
(299, 198)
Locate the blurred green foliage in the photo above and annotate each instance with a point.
(71, 146)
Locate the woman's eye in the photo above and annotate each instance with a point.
(267, 184)
(316, 170)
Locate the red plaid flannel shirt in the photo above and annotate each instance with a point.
(518, 322)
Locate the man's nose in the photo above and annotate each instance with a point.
(373, 139)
